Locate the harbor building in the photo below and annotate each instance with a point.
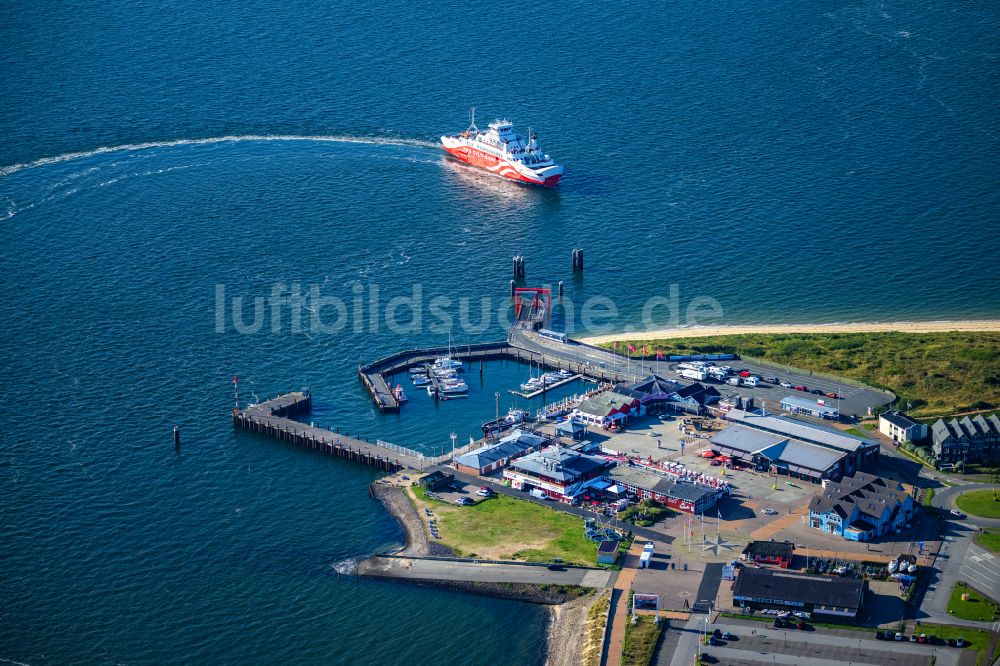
(762, 589)
(779, 454)
(779, 553)
(970, 439)
(436, 480)
(818, 409)
(858, 451)
(669, 491)
(558, 472)
(658, 394)
(491, 458)
(861, 507)
(900, 428)
(608, 408)
(607, 552)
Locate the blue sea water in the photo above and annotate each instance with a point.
(791, 161)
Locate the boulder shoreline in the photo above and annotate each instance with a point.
(566, 608)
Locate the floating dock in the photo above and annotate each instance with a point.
(548, 387)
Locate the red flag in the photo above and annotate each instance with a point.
(644, 350)
(659, 354)
(631, 349)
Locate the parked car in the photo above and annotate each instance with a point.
(816, 392)
(952, 642)
(726, 636)
(787, 385)
(934, 640)
(832, 394)
(463, 501)
(768, 511)
(960, 642)
(744, 373)
(801, 625)
(801, 388)
(957, 513)
(922, 638)
(880, 635)
(914, 638)
(899, 636)
(717, 633)
(771, 380)
(555, 567)
(778, 623)
(801, 614)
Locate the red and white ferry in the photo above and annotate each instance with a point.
(503, 152)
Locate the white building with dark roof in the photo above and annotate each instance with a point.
(491, 458)
(900, 428)
(559, 472)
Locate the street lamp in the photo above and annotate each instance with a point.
(453, 438)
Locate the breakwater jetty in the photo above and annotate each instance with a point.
(274, 419)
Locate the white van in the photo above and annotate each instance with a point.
(540, 494)
(734, 381)
(751, 381)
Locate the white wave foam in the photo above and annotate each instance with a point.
(132, 147)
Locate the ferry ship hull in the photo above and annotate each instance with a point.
(500, 167)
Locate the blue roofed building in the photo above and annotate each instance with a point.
(794, 404)
(861, 507)
(858, 451)
(491, 458)
(779, 454)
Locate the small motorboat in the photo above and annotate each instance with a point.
(447, 363)
(400, 394)
(422, 381)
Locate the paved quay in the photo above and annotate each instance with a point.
(414, 568)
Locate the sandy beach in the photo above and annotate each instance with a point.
(887, 327)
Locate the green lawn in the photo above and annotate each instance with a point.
(640, 640)
(938, 373)
(977, 608)
(981, 503)
(507, 528)
(646, 513)
(989, 540)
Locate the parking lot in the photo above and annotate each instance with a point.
(457, 490)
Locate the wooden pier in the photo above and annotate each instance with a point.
(272, 418)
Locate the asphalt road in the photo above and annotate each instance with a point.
(818, 647)
(423, 569)
(855, 401)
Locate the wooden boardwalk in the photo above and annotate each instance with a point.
(273, 418)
